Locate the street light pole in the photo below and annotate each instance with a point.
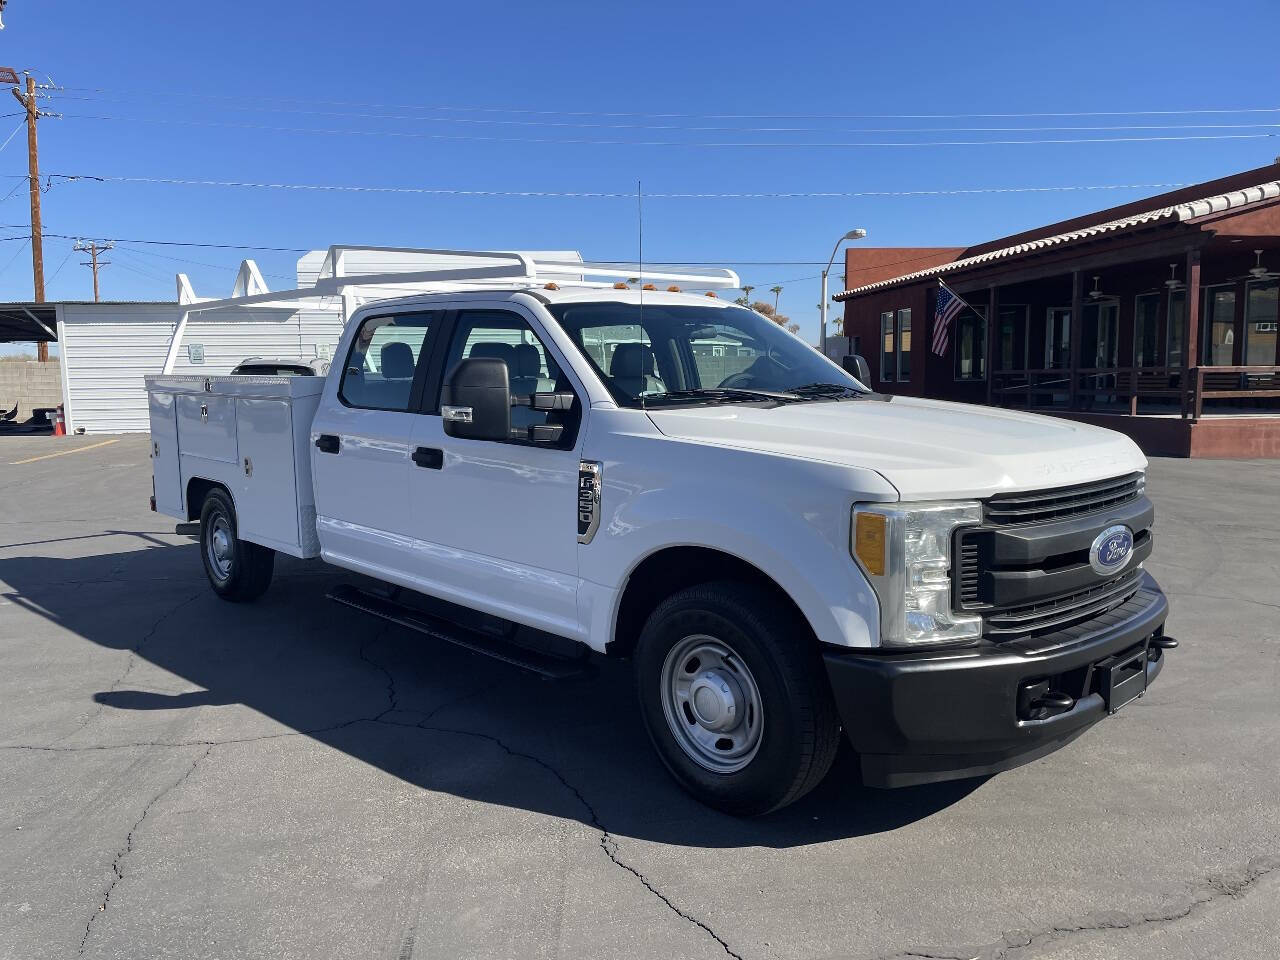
(857, 234)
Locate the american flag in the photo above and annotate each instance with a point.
(946, 306)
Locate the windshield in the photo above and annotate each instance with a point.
(684, 352)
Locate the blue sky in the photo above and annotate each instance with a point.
(191, 88)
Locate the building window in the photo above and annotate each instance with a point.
(1177, 326)
(1057, 338)
(1011, 339)
(1260, 323)
(971, 344)
(886, 346)
(1146, 325)
(1219, 325)
(904, 344)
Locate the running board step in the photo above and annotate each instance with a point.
(555, 668)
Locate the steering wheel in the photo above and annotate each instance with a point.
(739, 381)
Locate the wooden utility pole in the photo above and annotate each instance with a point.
(33, 175)
(93, 250)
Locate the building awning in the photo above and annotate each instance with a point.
(1177, 213)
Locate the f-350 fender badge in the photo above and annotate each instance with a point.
(589, 473)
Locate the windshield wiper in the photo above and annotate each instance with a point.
(711, 395)
(819, 390)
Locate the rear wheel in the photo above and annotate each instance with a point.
(735, 699)
(238, 571)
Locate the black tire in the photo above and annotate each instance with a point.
(800, 729)
(238, 571)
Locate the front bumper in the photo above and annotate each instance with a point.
(923, 716)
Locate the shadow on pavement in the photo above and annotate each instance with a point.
(424, 711)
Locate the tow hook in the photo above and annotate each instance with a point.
(1163, 642)
(1054, 700)
(1036, 701)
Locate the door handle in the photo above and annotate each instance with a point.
(327, 443)
(429, 457)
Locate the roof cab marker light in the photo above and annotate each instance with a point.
(711, 294)
(649, 286)
(552, 286)
(620, 286)
(673, 289)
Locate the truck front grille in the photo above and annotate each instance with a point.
(1026, 568)
(1059, 612)
(1045, 505)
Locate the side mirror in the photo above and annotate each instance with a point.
(476, 400)
(858, 366)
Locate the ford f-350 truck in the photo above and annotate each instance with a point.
(539, 470)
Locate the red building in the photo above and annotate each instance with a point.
(1157, 318)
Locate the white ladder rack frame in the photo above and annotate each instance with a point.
(491, 268)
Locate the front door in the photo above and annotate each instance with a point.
(360, 443)
(495, 523)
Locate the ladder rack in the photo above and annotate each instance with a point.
(430, 270)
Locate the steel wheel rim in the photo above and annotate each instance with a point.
(218, 546)
(712, 704)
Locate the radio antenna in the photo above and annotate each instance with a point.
(640, 240)
(640, 254)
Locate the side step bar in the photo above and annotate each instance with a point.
(554, 668)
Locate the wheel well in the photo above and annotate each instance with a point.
(663, 573)
(197, 489)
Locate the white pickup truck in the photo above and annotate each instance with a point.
(545, 472)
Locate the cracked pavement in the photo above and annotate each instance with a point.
(183, 777)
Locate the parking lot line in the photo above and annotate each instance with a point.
(62, 453)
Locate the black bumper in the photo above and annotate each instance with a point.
(924, 716)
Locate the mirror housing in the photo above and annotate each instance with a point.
(476, 401)
(858, 366)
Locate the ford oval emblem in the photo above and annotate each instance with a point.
(1111, 550)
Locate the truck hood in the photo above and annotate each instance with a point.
(928, 449)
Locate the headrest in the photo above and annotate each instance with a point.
(499, 351)
(528, 361)
(631, 360)
(397, 360)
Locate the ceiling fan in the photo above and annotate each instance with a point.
(1096, 293)
(1259, 272)
(1173, 283)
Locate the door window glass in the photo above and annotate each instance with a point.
(1220, 318)
(1260, 324)
(971, 344)
(530, 367)
(384, 356)
(1146, 320)
(1057, 341)
(886, 348)
(904, 344)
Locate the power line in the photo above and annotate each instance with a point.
(588, 141)
(606, 195)
(692, 116)
(580, 124)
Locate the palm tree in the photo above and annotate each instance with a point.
(746, 292)
(777, 292)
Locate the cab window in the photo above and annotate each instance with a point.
(384, 355)
(530, 367)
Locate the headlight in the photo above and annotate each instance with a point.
(905, 551)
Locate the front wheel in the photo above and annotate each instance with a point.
(735, 699)
(238, 570)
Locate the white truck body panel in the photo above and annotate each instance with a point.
(249, 434)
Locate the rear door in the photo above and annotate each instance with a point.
(360, 442)
(496, 522)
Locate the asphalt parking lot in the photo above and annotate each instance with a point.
(182, 777)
